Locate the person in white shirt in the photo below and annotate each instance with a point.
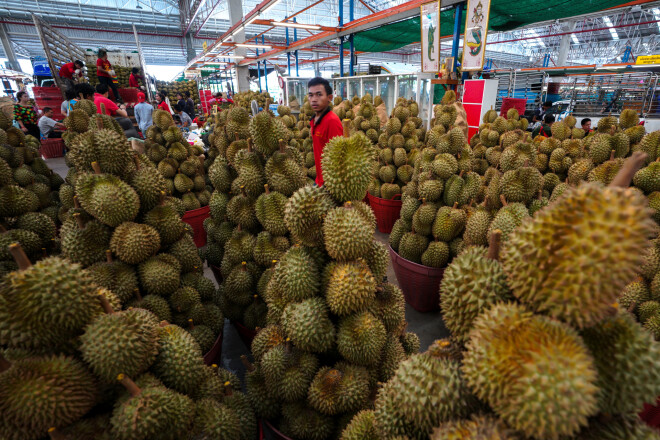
(143, 113)
(48, 126)
(185, 119)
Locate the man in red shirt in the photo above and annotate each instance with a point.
(326, 124)
(68, 70)
(133, 78)
(106, 74)
(101, 97)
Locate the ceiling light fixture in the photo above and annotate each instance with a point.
(296, 25)
(253, 46)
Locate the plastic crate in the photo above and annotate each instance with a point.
(517, 103)
(215, 353)
(247, 335)
(52, 92)
(195, 218)
(387, 211)
(51, 148)
(276, 433)
(420, 284)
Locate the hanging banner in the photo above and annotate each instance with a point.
(430, 28)
(476, 30)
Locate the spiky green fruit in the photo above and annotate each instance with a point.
(303, 422)
(350, 287)
(308, 325)
(476, 227)
(347, 233)
(361, 338)
(518, 362)
(412, 246)
(347, 164)
(179, 363)
(133, 243)
(361, 427)
(305, 212)
(288, 372)
(476, 428)
(342, 388)
(576, 218)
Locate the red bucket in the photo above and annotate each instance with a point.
(247, 335)
(195, 218)
(517, 103)
(51, 148)
(387, 211)
(276, 433)
(420, 284)
(215, 353)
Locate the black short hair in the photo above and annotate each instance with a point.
(86, 89)
(179, 94)
(46, 110)
(547, 104)
(177, 108)
(318, 81)
(20, 94)
(102, 53)
(135, 70)
(70, 94)
(549, 119)
(79, 63)
(187, 93)
(584, 121)
(102, 88)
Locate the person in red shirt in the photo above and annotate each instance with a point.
(160, 99)
(134, 77)
(68, 70)
(326, 124)
(106, 73)
(101, 97)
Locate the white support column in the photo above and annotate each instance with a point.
(242, 73)
(9, 49)
(317, 69)
(565, 44)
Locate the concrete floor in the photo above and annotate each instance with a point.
(428, 326)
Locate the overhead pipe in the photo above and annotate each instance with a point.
(295, 38)
(351, 9)
(341, 39)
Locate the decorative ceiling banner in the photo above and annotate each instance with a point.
(476, 30)
(430, 28)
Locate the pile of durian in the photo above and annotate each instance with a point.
(539, 349)
(177, 161)
(399, 148)
(29, 198)
(366, 120)
(253, 176)
(91, 342)
(335, 326)
(174, 87)
(128, 234)
(244, 99)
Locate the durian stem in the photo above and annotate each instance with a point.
(228, 389)
(249, 142)
(163, 323)
(281, 142)
(191, 325)
(632, 306)
(612, 154)
(2, 229)
(630, 167)
(248, 365)
(136, 160)
(108, 256)
(503, 200)
(455, 205)
(346, 123)
(99, 120)
(161, 200)
(267, 189)
(107, 308)
(4, 363)
(20, 258)
(79, 220)
(55, 434)
(96, 167)
(137, 294)
(130, 386)
(494, 243)
(76, 202)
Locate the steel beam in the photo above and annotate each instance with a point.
(9, 49)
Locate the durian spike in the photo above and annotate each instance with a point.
(346, 123)
(19, 256)
(96, 167)
(79, 220)
(55, 434)
(76, 202)
(503, 200)
(130, 386)
(4, 363)
(107, 308)
(494, 243)
(248, 365)
(628, 170)
(108, 256)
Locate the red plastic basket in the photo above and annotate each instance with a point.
(215, 353)
(276, 433)
(651, 414)
(247, 335)
(51, 148)
(47, 92)
(517, 103)
(195, 218)
(420, 284)
(129, 95)
(387, 212)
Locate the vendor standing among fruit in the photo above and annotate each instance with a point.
(68, 71)
(106, 74)
(134, 77)
(25, 115)
(326, 124)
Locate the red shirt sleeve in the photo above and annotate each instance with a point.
(335, 128)
(132, 81)
(66, 71)
(163, 106)
(111, 107)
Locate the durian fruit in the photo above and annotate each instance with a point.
(288, 372)
(340, 389)
(346, 164)
(361, 338)
(133, 243)
(107, 198)
(427, 389)
(302, 422)
(347, 233)
(566, 225)
(151, 412)
(350, 287)
(41, 393)
(270, 210)
(518, 362)
(472, 283)
(361, 427)
(305, 212)
(179, 363)
(120, 341)
(477, 427)
(308, 325)
(628, 118)
(626, 427)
